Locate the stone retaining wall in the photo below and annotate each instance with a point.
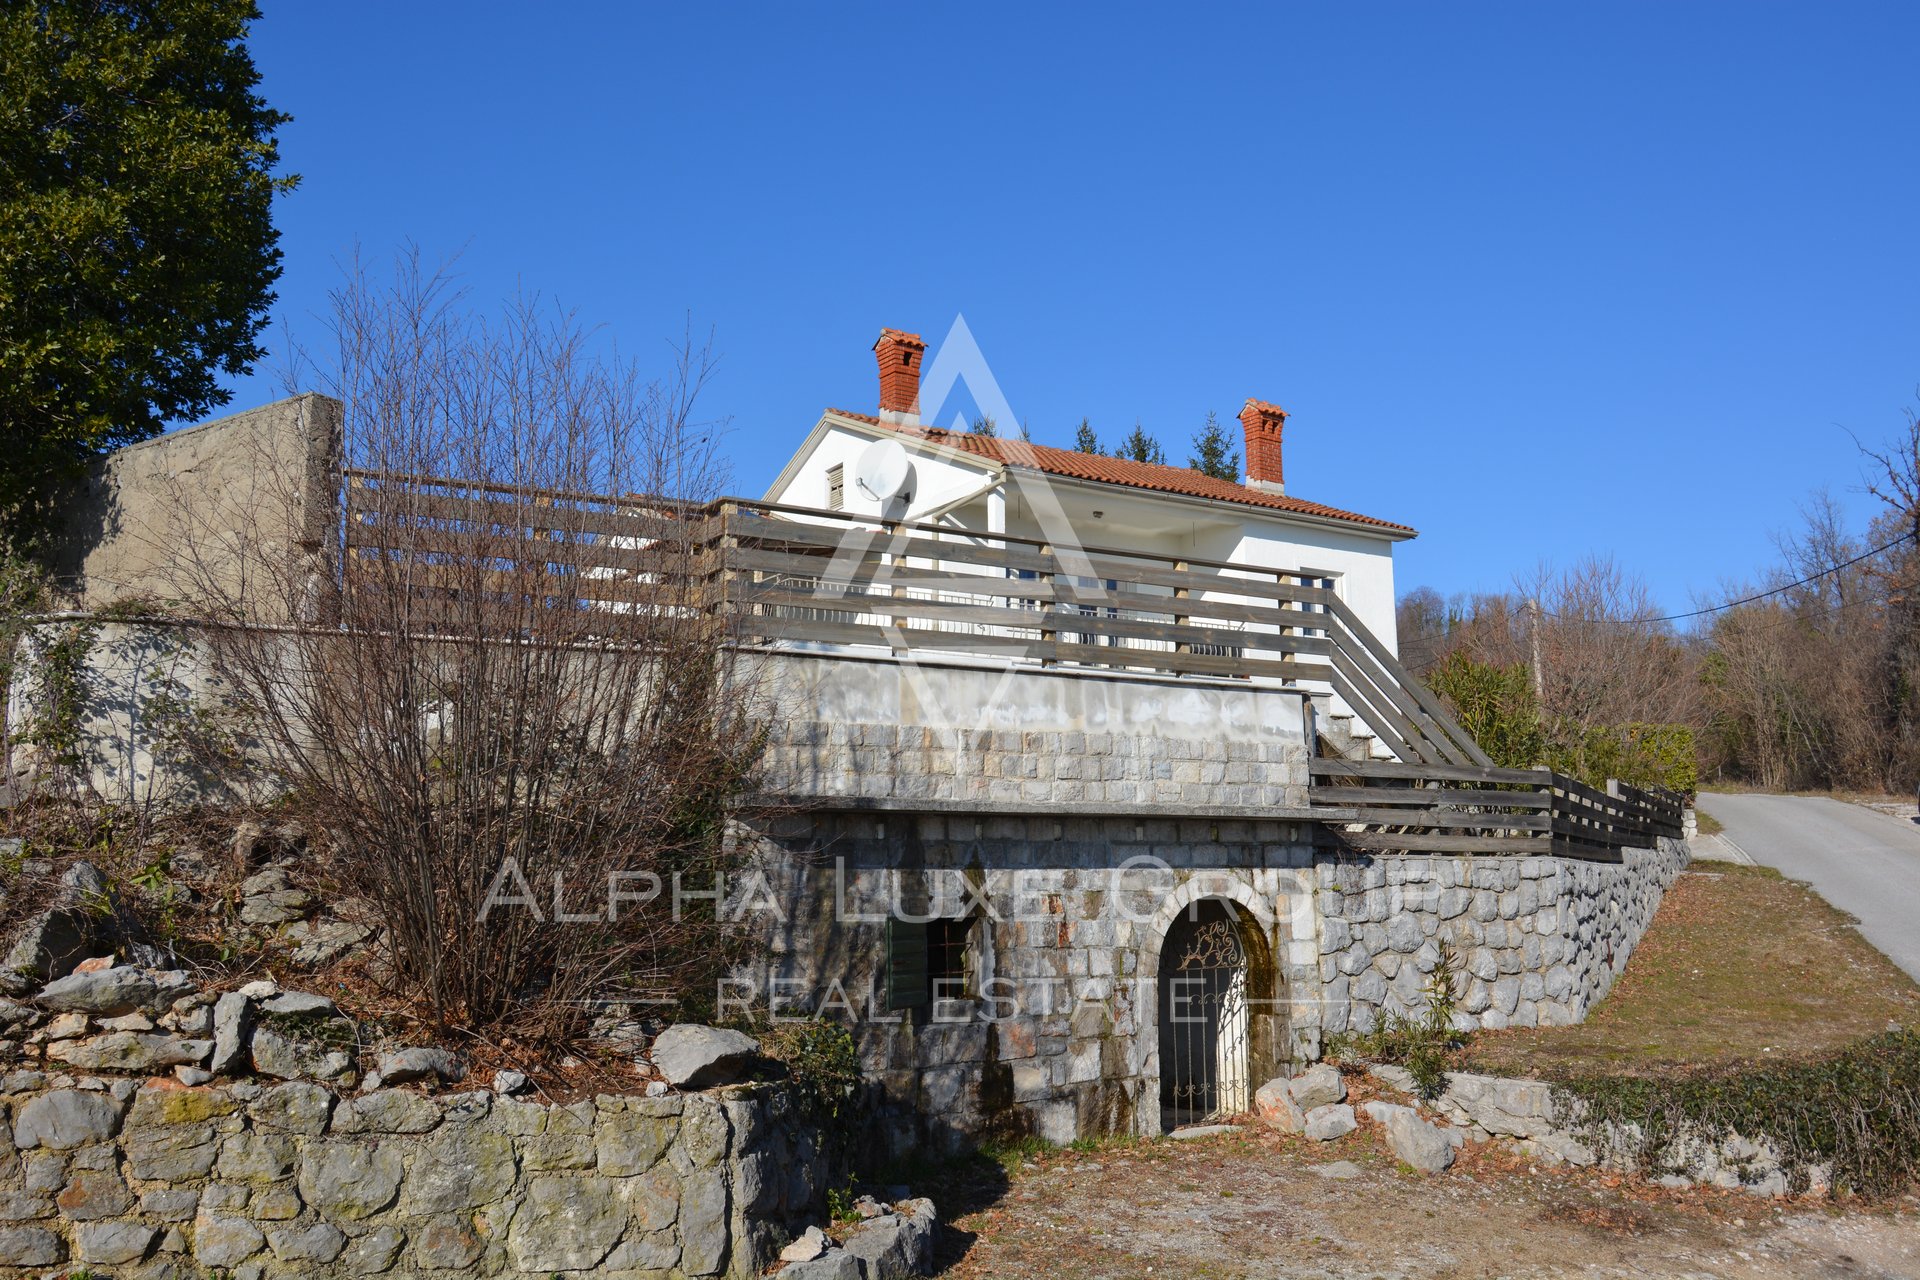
(1540, 940)
(164, 1181)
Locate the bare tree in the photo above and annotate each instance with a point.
(514, 715)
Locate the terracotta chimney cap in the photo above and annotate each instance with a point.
(899, 355)
(1263, 424)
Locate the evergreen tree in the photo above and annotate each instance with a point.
(1084, 441)
(137, 248)
(984, 425)
(1141, 447)
(1026, 433)
(1211, 454)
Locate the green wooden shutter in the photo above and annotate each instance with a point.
(906, 964)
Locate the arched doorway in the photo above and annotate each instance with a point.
(1205, 1018)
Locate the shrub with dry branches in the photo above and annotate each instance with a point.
(512, 709)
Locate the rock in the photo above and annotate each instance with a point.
(192, 1077)
(350, 1179)
(1338, 1170)
(293, 1108)
(256, 1157)
(386, 1111)
(38, 1247)
(836, 1264)
(507, 1083)
(232, 1019)
(807, 1246)
(1429, 1148)
(260, 989)
(105, 993)
(899, 1245)
(276, 1054)
(225, 1242)
(94, 1194)
(317, 1243)
(1325, 1123)
(130, 1051)
(127, 1022)
(298, 1004)
(1318, 1086)
(1396, 1078)
(568, 1224)
(321, 942)
(691, 1056)
(77, 923)
(458, 1169)
(113, 1243)
(447, 1244)
(65, 1026)
(374, 1252)
(1511, 1108)
(404, 1065)
(65, 1119)
(1273, 1103)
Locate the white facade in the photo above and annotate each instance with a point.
(965, 491)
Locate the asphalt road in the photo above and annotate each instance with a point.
(1863, 862)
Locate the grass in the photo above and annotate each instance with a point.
(1709, 825)
(1740, 964)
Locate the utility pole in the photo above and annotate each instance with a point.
(1533, 638)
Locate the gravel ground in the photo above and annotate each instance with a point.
(1256, 1204)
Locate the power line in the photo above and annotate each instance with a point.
(1734, 604)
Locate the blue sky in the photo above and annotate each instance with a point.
(1540, 280)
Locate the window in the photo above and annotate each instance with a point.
(837, 487)
(929, 961)
(1315, 579)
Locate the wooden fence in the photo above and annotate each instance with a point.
(1426, 808)
(802, 577)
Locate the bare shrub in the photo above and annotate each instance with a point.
(513, 712)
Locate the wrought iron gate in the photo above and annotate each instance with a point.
(1203, 1019)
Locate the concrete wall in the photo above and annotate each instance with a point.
(292, 1181)
(209, 500)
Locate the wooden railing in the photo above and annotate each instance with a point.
(1391, 807)
(795, 576)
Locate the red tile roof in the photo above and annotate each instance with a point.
(1122, 471)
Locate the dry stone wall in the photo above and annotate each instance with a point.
(1539, 940)
(159, 1180)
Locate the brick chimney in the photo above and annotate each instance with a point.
(1262, 423)
(899, 355)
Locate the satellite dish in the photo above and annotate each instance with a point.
(883, 471)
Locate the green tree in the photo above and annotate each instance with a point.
(1140, 447)
(137, 248)
(1084, 441)
(1496, 705)
(1212, 455)
(984, 425)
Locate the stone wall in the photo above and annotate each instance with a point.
(1057, 1035)
(1055, 1028)
(918, 734)
(291, 1180)
(1540, 940)
(215, 496)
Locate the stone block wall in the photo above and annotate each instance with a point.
(1058, 1035)
(292, 1180)
(1034, 767)
(900, 734)
(1540, 940)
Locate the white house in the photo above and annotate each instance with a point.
(1007, 486)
